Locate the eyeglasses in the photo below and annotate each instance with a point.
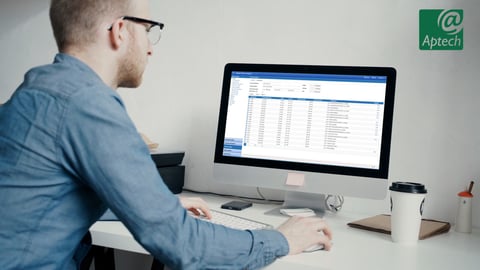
(153, 28)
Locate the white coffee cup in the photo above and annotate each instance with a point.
(407, 201)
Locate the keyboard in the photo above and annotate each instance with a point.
(235, 222)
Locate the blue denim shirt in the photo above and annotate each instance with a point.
(68, 150)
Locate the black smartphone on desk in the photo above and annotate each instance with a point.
(236, 205)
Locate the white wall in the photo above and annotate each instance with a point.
(436, 135)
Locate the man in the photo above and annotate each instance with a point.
(69, 151)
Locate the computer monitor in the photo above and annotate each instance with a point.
(308, 130)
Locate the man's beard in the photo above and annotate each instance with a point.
(131, 70)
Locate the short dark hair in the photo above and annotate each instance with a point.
(74, 22)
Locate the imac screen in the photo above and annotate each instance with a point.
(329, 119)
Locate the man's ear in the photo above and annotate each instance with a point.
(118, 33)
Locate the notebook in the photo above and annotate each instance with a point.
(381, 223)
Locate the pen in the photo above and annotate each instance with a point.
(470, 187)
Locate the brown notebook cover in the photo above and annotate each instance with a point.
(381, 223)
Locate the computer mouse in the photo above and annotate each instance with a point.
(315, 248)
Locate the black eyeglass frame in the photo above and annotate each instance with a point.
(151, 23)
(140, 20)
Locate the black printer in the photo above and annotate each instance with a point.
(170, 169)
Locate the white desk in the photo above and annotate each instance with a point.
(352, 249)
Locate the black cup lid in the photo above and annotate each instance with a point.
(408, 187)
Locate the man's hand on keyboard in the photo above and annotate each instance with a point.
(196, 205)
(305, 232)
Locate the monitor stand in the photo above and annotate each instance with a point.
(296, 199)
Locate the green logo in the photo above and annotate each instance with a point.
(441, 29)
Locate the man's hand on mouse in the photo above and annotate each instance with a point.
(305, 232)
